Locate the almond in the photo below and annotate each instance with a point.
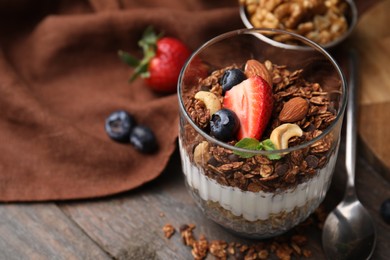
(254, 67)
(294, 110)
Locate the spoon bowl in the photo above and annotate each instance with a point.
(349, 231)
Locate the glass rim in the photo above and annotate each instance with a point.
(312, 44)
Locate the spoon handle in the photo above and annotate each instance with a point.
(351, 128)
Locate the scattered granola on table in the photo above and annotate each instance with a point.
(288, 246)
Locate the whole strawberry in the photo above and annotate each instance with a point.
(163, 59)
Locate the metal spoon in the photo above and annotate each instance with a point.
(349, 231)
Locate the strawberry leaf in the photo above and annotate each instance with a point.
(128, 59)
(148, 43)
(140, 70)
(149, 39)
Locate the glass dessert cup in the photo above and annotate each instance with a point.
(249, 192)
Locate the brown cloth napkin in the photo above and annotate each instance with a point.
(60, 77)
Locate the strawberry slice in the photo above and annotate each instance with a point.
(252, 101)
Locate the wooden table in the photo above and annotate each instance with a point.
(129, 226)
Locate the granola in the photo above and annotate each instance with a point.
(258, 172)
(322, 21)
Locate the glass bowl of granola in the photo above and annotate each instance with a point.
(259, 130)
(326, 22)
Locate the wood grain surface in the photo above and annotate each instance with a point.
(372, 40)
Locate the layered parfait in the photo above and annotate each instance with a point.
(258, 144)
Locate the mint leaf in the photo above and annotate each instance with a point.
(268, 145)
(274, 156)
(254, 144)
(247, 143)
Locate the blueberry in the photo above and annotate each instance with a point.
(119, 125)
(224, 124)
(143, 139)
(231, 78)
(385, 211)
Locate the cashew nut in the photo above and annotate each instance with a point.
(281, 134)
(201, 153)
(210, 100)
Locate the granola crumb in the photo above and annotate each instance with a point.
(162, 214)
(168, 230)
(218, 249)
(200, 248)
(186, 232)
(263, 254)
